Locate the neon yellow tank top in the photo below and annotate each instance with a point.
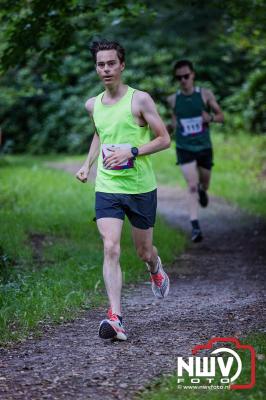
(116, 127)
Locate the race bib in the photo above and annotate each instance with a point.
(107, 150)
(191, 126)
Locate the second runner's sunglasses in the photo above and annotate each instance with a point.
(180, 77)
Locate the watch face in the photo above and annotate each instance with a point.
(134, 151)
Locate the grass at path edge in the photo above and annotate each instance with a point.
(50, 249)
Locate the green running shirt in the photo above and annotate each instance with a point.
(192, 133)
(116, 127)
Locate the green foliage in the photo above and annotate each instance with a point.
(246, 109)
(238, 173)
(49, 28)
(47, 71)
(43, 117)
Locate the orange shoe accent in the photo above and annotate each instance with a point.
(112, 316)
(157, 279)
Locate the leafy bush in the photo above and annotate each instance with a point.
(246, 109)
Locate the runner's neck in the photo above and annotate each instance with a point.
(188, 92)
(114, 93)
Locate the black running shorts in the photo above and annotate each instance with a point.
(204, 158)
(139, 208)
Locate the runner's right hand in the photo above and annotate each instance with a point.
(206, 117)
(82, 174)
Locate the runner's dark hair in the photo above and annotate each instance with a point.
(183, 63)
(107, 45)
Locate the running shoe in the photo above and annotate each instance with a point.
(160, 282)
(112, 328)
(196, 235)
(203, 197)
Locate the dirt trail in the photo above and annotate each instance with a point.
(217, 289)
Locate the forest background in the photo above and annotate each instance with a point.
(47, 72)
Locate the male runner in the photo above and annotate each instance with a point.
(125, 182)
(194, 109)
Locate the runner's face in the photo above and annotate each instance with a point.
(109, 67)
(185, 78)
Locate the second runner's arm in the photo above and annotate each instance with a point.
(211, 101)
(171, 102)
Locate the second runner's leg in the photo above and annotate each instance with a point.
(191, 175)
(204, 182)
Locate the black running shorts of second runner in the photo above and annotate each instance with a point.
(204, 158)
(139, 208)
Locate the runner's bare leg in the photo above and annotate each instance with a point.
(204, 177)
(191, 175)
(146, 251)
(110, 230)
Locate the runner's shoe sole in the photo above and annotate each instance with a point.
(112, 330)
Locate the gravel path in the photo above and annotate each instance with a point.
(217, 289)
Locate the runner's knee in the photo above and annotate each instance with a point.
(111, 249)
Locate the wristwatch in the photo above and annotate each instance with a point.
(135, 152)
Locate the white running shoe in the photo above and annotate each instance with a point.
(112, 328)
(160, 282)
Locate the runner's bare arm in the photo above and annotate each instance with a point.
(210, 100)
(171, 101)
(150, 114)
(83, 172)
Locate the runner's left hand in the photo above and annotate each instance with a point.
(116, 158)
